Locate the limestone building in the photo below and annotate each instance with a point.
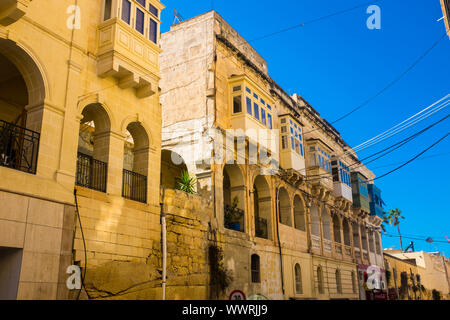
(446, 11)
(294, 210)
(79, 109)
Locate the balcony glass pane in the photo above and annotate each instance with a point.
(153, 10)
(140, 21)
(153, 32)
(126, 11)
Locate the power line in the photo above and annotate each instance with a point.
(413, 238)
(392, 83)
(423, 158)
(409, 161)
(388, 150)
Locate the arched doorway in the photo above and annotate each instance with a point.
(234, 198)
(262, 202)
(284, 208)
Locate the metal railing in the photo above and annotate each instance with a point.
(19, 147)
(91, 173)
(261, 228)
(134, 186)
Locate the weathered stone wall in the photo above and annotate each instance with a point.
(123, 241)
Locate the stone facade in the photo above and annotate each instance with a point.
(82, 65)
(314, 251)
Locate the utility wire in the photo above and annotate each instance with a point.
(392, 83)
(409, 161)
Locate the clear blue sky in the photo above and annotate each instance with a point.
(338, 63)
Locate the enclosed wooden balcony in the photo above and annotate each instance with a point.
(12, 10)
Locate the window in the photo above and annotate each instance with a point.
(140, 21)
(263, 102)
(269, 120)
(255, 96)
(108, 7)
(256, 113)
(153, 33)
(283, 129)
(141, 2)
(126, 11)
(292, 143)
(320, 280)
(338, 281)
(249, 105)
(263, 116)
(269, 107)
(255, 268)
(284, 142)
(283, 120)
(248, 90)
(237, 88)
(237, 104)
(298, 279)
(153, 10)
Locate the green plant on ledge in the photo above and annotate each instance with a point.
(186, 183)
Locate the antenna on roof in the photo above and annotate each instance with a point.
(176, 16)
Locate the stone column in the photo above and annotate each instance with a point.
(115, 163)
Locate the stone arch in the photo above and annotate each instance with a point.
(262, 202)
(299, 213)
(143, 127)
(22, 95)
(298, 279)
(172, 167)
(30, 69)
(284, 207)
(234, 197)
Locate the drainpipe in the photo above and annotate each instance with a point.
(279, 242)
(164, 245)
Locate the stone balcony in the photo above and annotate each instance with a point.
(12, 10)
(125, 54)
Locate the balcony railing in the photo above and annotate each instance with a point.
(234, 218)
(315, 242)
(327, 245)
(134, 186)
(261, 228)
(91, 173)
(338, 247)
(348, 250)
(19, 147)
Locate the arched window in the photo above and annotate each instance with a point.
(338, 281)
(315, 221)
(284, 208)
(377, 243)
(337, 229)
(298, 279)
(364, 238)
(255, 268)
(320, 286)
(262, 205)
(354, 286)
(135, 163)
(346, 229)
(233, 198)
(326, 225)
(371, 242)
(299, 214)
(93, 148)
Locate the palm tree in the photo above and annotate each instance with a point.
(393, 219)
